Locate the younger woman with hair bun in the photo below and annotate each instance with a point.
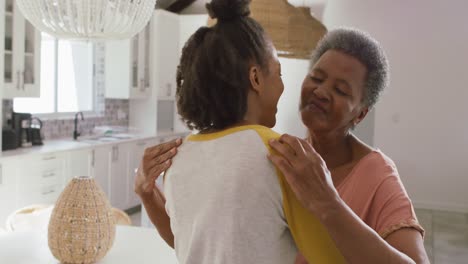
(226, 202)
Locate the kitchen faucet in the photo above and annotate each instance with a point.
(76, 134)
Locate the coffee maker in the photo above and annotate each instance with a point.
(35, 131)
(21, 124)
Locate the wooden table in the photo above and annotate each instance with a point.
(131, 245)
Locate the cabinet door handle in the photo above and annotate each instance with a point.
(141, 144)
(22, 81)
(18, 78)
(1, 175)
(48, 192)
(115, 153)
(142, 82)
(48, 175)
(92, 158)
(49, 158)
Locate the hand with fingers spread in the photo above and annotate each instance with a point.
(305, 171)
(156, 160)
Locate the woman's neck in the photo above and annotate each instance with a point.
(335, 148)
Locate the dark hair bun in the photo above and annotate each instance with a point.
(227, 10)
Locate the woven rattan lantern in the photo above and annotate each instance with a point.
(294, 32)
(82, 226)
(88, 19)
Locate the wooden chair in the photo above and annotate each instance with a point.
(31, 217)
(121, 218)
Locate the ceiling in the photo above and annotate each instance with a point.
(198, 7)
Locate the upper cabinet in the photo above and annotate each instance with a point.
(128, 66)
(140, 61)
(170, 33)
(166, 57)
(21, 54)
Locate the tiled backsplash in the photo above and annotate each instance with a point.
(116, 114)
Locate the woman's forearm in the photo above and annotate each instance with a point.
(356, 241)
(155, 208)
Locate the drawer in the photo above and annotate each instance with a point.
(44, 170)
(46, 161)
(36, 177)
(46, 194)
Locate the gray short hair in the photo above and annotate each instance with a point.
(367, 50)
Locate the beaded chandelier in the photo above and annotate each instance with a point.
(88, 19)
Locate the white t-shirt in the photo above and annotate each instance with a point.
(224, 200)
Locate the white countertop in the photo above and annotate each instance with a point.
(58, 145)
(131, 245)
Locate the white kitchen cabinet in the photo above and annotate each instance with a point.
(79, 163)
(135, 158)
(118, 174)
(128, 66)
(42, 180)
(21, 54)
(3, 21)
(7, 188)
(100, 167)
(116, 72)
(171, 32)
(166, 56)
(141, 51)
(94, 162)
(158, 115)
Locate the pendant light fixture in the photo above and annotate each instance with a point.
(88, 19)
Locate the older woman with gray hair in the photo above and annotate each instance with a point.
(353, 189)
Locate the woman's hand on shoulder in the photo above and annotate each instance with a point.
(156, 160)
(306, 173)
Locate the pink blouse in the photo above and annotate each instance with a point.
(373, 190)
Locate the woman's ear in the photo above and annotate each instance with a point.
(256, 79)
(361, 116)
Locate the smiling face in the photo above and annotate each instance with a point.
(266, 89)
(274, 87)
(332, 93)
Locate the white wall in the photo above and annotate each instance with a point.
(420, 122)
(288, 119)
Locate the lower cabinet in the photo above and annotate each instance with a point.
(100, 167)
(7, 189)
(79, 163)
(134, 160)
(42, 180)
(39, 179)
(113, 168)
(118, 174)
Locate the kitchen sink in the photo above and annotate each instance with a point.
(103, 138)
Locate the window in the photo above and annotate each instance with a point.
(67, 83)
